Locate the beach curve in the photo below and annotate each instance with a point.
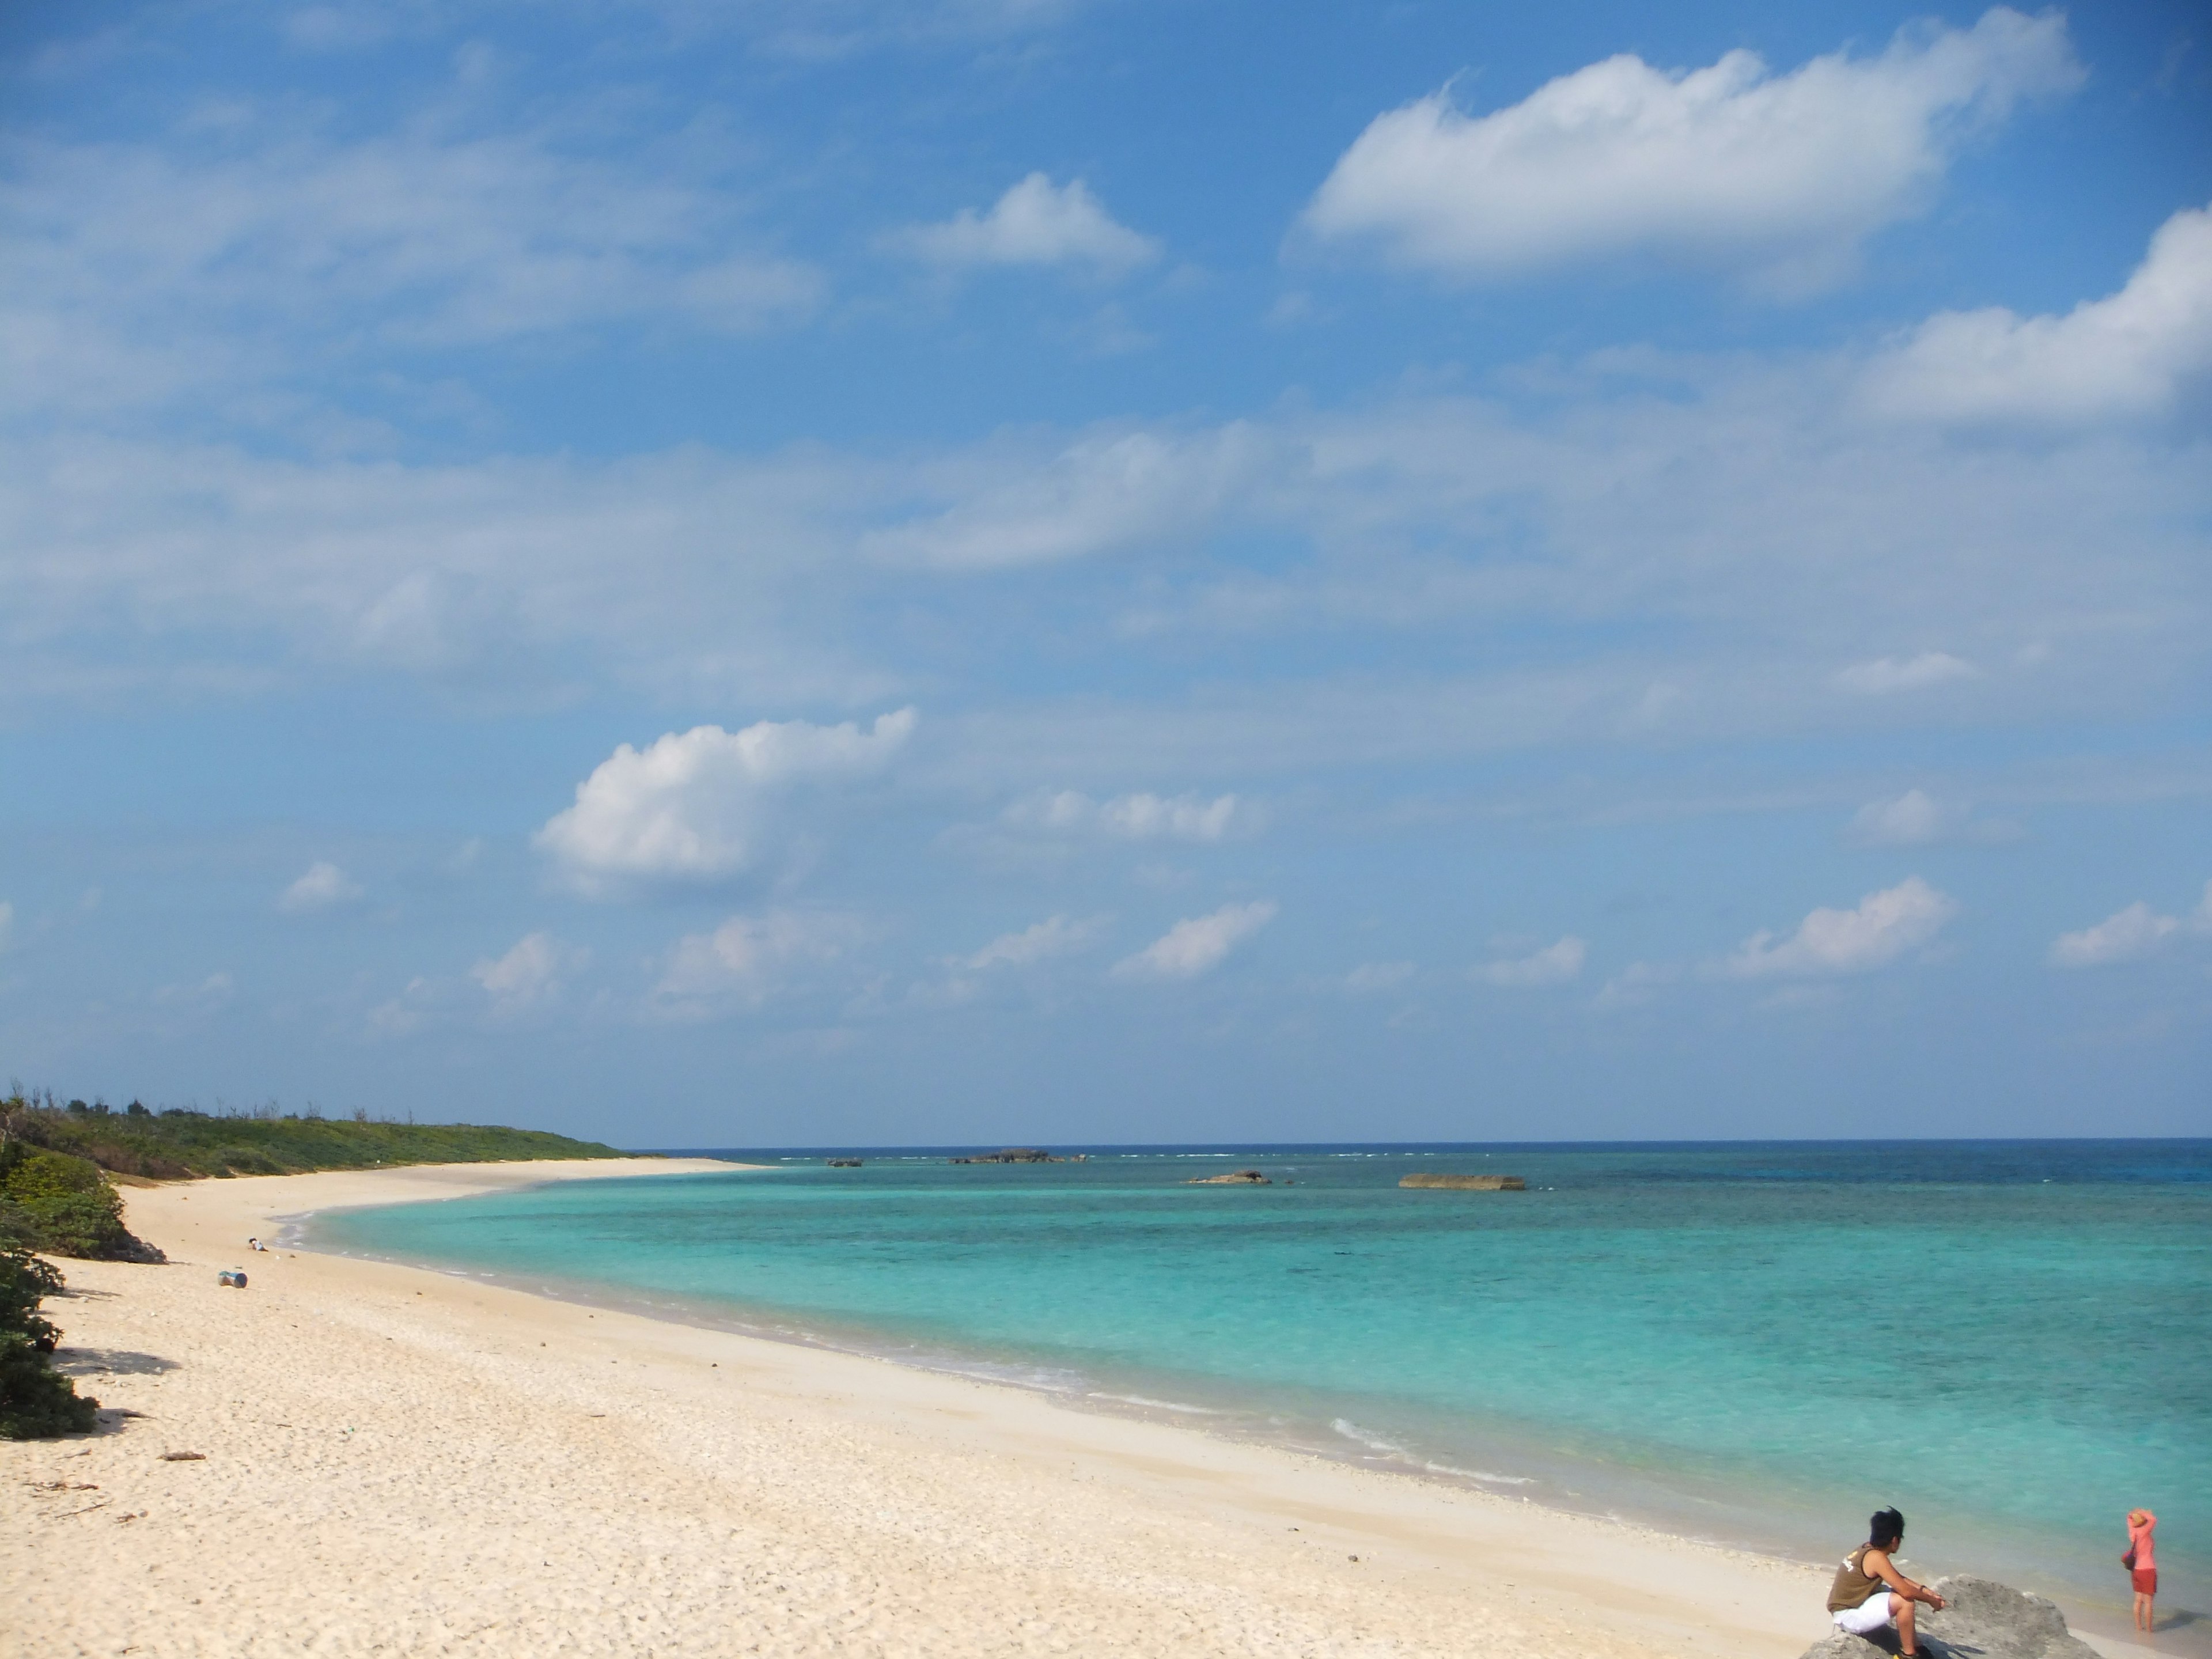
(401, 1459)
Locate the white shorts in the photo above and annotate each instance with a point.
(1869, 1616)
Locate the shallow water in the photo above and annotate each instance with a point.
(1760, 1343)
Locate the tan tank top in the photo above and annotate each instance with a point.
(1853, 1587)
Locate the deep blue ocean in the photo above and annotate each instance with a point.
(1760, 1343)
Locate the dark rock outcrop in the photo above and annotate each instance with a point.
(1985, 1620)
(1467, 1183)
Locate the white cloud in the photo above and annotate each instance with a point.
(2129, 354)
(1884, 926)
(748, 959)
(1035, 222)
(1778, 177)
(1555, 964)
(1107, 491)
(1197, 945)
(1885, 675)
(206, 261)
(531, 972)
(1141, 817)
(1055, 936)
(323, 887)
(2125, 936)
(1916, 819)
(696, 806)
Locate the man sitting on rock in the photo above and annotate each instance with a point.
(1869, 1591)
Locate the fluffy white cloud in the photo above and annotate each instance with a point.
(1883, 927)
(322, 888)
(748, 959)
(1037, 222)
(1141, 817)
(1779, 177)
(1055, 936)
(1197, 945)
(1555, 964)
(2129, 354)
(531, 972)
(696, 806)
(1884, 675)
(2127, 935)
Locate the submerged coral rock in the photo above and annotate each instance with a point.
(1234, 1178)
(1467, 1183)
(1985, 1620)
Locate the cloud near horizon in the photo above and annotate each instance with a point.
(1197, 945)
(1140, 816)
(1776, 178)
(532, 971)
(747, 960)
(1037, 222)
(1055, 936)
(697, 805)
(1883, 927)
(324, 887)
(1554, 965)
(2128, 935)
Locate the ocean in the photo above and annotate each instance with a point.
(1754, 1343)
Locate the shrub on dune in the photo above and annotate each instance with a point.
(36, 1401)
(65, 1205)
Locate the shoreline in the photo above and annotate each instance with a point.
(916, 1510)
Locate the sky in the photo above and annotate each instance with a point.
(814, 573)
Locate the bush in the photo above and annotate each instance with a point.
(37, 1402)
(65, 1205)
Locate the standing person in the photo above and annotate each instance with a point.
(1869, 1591)
(2141, 1560)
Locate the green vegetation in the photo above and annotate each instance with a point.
(63, 1205)
(170, 1145)
(37, 1402)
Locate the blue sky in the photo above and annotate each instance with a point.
(810, 573)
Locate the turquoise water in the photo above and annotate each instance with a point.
(2013, 1342)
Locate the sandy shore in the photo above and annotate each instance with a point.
(398, 1461)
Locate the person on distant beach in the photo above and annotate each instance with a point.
(2141, 1560)
(1869, 1591)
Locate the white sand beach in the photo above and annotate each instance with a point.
(399, 1461)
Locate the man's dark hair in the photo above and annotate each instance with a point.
(1886, 1530)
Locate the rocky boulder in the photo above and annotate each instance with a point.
(1466, 1184)
(1985, 1620)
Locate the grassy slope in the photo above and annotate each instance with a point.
(176, 1144)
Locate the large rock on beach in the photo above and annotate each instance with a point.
(1467, 1183)
(1985, 1620)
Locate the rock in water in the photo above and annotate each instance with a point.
(1467, 1183)
(1985, 1620)
(1234, 1178)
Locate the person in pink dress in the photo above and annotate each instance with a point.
(2142, 1564)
